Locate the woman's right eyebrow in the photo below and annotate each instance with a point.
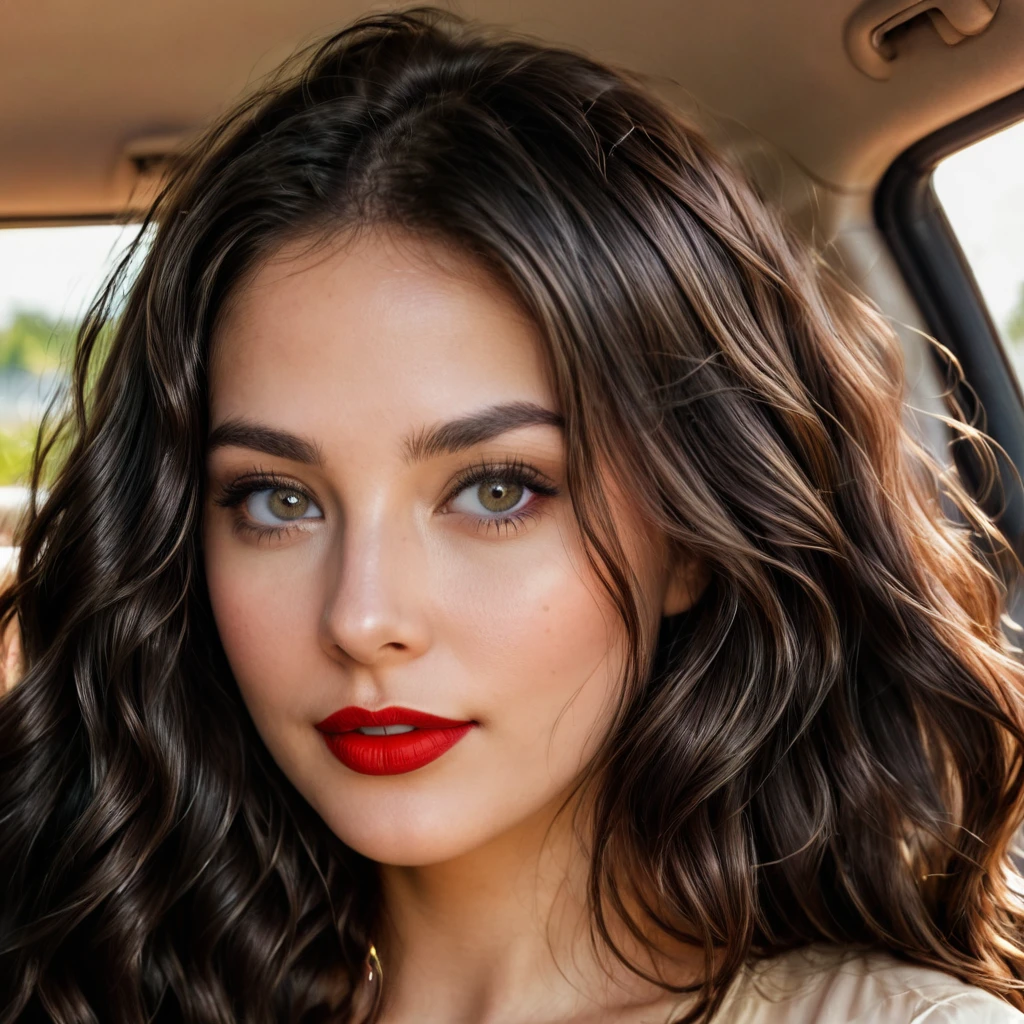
(239, 433)
(440, 439)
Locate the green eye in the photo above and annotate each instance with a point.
(499, 495)
(492, 498)
(272, 505)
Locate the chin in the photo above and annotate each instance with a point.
(408, 847)
(412, 833)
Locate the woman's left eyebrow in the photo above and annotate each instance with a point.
(476, 427)
(441, 439)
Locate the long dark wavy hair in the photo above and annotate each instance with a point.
(826, 748)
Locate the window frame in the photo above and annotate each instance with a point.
(924, 245)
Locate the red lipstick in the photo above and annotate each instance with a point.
(398, 740)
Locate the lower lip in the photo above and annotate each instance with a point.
(393, 755)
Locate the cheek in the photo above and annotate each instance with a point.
(264, 606)
(540, 648)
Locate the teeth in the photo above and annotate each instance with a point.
(385, 730)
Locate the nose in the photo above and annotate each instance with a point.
(376, 604)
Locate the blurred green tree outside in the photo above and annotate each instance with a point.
(35, 344)
(17, 443)
(1015, 321)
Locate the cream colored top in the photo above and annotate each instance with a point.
(820, 985)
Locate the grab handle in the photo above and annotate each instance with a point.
(868, 28)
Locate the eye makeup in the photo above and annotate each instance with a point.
(237, 493)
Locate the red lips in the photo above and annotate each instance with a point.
(393, 754)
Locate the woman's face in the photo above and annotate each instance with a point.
(358, 560)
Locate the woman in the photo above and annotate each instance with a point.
(485, 576)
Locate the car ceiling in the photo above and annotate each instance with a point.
(80, 82)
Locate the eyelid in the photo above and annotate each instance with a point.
(504, 469)
(254, 480)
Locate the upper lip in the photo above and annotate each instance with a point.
(351, 718)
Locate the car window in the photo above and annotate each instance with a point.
(981, 190)
(48, 277)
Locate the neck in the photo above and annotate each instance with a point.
(502, 933)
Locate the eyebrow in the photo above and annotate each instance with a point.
(441, 439)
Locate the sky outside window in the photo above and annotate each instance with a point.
(981, 189)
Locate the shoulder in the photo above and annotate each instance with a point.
(823, 985)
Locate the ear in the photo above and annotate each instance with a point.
(687, 578)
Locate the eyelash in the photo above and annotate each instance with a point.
(516, 472)
(234, 494)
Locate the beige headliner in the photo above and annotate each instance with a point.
(79, 81)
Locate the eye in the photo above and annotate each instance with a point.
(274, 505)
(500, 496)
(496, 497)
(267, 506)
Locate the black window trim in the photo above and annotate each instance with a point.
(20, 222)
(924, 245)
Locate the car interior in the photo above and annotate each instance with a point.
(846, 115)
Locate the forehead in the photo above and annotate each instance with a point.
(373, 334)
